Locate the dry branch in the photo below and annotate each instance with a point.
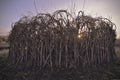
(60, 40)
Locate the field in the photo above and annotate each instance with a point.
(9, 72)
(117, 48)
(4, 49)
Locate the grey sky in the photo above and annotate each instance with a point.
(12, 10)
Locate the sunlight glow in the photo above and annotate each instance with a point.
(79, 36)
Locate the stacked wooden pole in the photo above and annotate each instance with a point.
(60, 40)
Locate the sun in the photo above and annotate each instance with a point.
(79, 35)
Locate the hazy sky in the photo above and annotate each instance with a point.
(12, 10)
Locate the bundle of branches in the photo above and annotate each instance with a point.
(60, 40)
